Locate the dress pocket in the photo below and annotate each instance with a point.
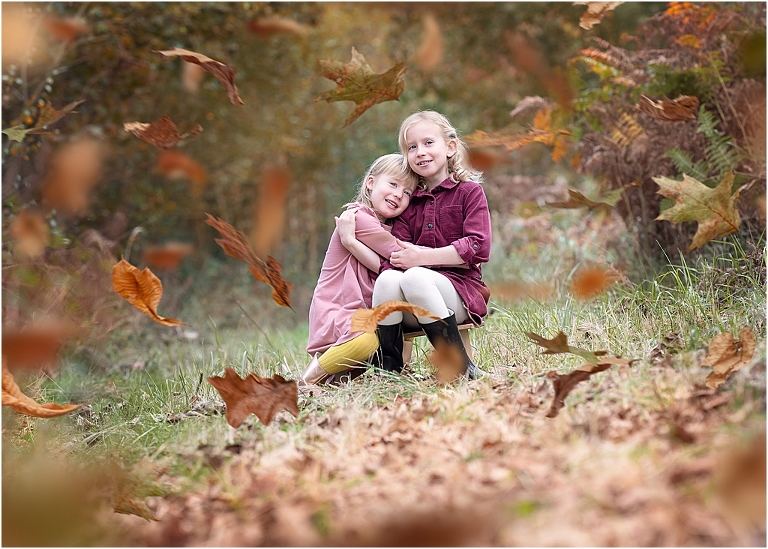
(452, 222)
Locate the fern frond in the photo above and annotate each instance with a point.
(707, 124)
(683, 161)
(722, 155)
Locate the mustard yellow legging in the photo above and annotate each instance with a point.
(352, 353)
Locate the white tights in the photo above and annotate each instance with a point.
(422, 287)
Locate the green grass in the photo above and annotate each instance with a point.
(165, 410)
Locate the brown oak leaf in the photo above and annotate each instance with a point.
(161, 133)
(255, 395)
(224, 73)
(142, 289)
(235, 244)
(13, 397)
(559, 344)
(727, 355)
(366, 320)
(714, 210)
(563, 384)
(357, 82)
(670, 110)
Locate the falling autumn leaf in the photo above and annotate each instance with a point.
(268, 26)
(36, 346)
(270, 209)
(224, 73)
(67, 29)
(531, 61)
(577, 200)
(366, 320)
(448, 361)
(161, 133)
(255, 395)
(595, 12)
(30, 231)
(515, 290)
(670, 110)
(47, 115)
(191, 76)
(235, 244)
(530, 104)
(485, 160)
(22, 43)
(13, 397)
(430, 52)
(591, 281)
(714, 210)
(176, 164)
(142, 289)
(74, 171)
(563, 384)
(727, 355)
(168, 256)
(559, 344)
(357, 82)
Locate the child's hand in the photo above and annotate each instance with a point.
(345, 224)
(409, 256)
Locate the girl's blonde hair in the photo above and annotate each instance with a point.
(392, 164)
(458, 164)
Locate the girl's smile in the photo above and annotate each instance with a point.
(428, 152)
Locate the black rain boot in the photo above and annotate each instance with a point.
(389, 356)
(447, 331)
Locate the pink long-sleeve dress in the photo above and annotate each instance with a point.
(345, 284)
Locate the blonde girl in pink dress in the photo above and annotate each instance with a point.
(361, 239)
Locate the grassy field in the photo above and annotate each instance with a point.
(640, 455)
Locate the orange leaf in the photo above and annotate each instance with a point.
(161, 133)
(13, 397)
(142, 289)
(65, 30)
(727, 355)
(529, 60)
(430, 52)
(176, 164)
(166, 257)
(589, 282)
(366, 320)
(559, 344)
(357, 82)
(235, 244)
(563, 384)
(31, 233)
(270, 209)
(448, 361)
(514, 290)
(277, 25)
(191, 76)
(36, 346)
(669, 110)
(255, 395)
(75, 170)
(485, 160)
(224, 73)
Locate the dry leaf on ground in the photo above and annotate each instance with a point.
(30, 231)
(670, 110)
(161, 133)
(595, 12)
(714, 210)
(13, 397)
(366, 320)
(142, 289)
(559, 344)
(235, 244)
(357, 82)
(224, 73)
(133, 485)
(563, 384)
(728, 355)
(255, 395)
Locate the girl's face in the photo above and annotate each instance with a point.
(428, 152)
(390, 195)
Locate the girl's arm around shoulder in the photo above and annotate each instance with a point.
(345, 225)
(370, 231)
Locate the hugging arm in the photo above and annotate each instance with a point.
(365, 238)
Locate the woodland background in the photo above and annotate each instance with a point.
(548, 100)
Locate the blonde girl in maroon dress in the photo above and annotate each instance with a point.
(358, 244)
